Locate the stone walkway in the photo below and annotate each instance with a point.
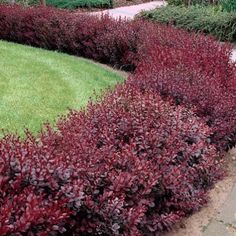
(129, 12)
(224, 224)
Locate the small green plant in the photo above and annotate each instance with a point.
(228, 5)
(191, 2)
(72, 4)
(205, 19)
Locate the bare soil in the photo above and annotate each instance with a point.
(196, 224)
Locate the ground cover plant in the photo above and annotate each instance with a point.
(38, 85)
(140, 159)
(207, 20)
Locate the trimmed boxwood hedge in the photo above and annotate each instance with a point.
(208, 20)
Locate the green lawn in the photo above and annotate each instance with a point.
(38, 85)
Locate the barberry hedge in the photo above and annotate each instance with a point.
(203, 82)
(142, 157)
(130, 165)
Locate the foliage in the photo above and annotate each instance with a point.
(208, 20)
(191, 2)
(71, 4)
(131, 165)
(125, 45)
(228, 5)
(206, 83)
(22, 2)
(79, 3)
(105, 40)
(136, 162)
(225, 5)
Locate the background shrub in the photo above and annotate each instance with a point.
(191, 2)
(79, 3)
(104, 40)
(225, 5)
(130, 165)
(228, 5)
(127, 44)
(71, 4)
(207, 20)
(202, 83)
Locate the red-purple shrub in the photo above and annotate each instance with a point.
(116, 42)
(196, 80)
(130, 165)
(194, 69)
(103, 39)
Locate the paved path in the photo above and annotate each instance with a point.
(130, 11)
(224, 224)
(234, 59)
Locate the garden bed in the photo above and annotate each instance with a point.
(145, 155)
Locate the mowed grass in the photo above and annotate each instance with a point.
(38, 86)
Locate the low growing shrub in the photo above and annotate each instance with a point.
(105, 40)
(207, 20)
(202, 83)
(130, 165)
(225, 5)
(228, 5)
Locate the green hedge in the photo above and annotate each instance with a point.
(225, 5)
(208, 20)
(189, 2)
(68, 4)
(73, 4)
(228, 5)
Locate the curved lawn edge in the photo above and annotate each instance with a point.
(38, 85)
